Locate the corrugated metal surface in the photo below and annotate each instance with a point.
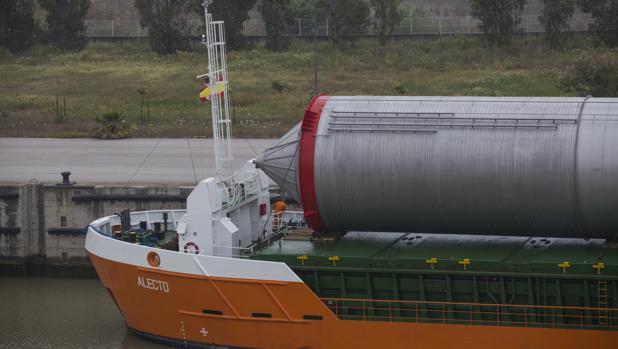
(279, 162)
(474, 165)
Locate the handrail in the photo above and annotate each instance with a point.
(464, 303)
(476, 313)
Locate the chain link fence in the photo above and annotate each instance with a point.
(410, 26)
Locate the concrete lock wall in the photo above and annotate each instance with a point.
(42, 227)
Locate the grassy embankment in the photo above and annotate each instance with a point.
(105, 78)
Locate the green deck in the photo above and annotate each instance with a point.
(486, 254)
(510, 281)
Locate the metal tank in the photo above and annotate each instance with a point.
(471, 165)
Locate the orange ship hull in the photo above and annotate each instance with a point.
(198, 310)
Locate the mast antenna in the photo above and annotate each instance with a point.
(214, 40)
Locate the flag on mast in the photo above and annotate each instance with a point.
(206, 93)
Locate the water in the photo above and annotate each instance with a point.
(62, 313)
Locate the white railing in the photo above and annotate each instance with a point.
(104, 225)
(290, 221)
(238, 190)
(409, 26)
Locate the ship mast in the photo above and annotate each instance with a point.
(214, 40)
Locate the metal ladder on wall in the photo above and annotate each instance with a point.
(602, 303)
(214, 40)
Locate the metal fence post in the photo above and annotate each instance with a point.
(112, 28)
(299, 31)
(326, 26)
(139, 30)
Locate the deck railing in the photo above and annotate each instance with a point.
(514, 315)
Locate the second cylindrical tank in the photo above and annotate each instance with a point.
(474, 165)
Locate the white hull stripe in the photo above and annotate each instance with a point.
(177, 262)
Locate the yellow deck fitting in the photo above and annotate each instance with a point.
(564, 265)
(432, 262)
(334, 259)
(465, 262)
(302, 259)
(599, 266)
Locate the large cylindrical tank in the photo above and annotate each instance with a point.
(471, 165)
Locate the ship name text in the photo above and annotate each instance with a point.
(152, 284)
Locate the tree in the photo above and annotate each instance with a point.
(65, 22)
(17, 24)
(234, 13)
(555, 19)
(499, 18)
(166, 23)
(386, 17)
(275, 14)
(605, 13)
(347, 19)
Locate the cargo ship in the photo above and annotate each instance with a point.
(442, 222)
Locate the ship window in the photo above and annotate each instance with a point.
(212, 312)
(264, 315)
(312, 317)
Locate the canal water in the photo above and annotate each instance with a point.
(62, 313)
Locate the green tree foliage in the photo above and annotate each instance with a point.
(166, 23)
(555, 19)
(347, 19)
(16, 24)
(65, 22)
(386, 17)
(595, 75)
(605, 13)
(112, 126)
(275, 14)
(499, 18)
(308, 9)
(234, 13)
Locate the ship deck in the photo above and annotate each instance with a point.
(367, 250)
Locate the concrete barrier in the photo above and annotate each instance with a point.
(42, 226)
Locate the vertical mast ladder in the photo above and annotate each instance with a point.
(214, 40)
(602, 303)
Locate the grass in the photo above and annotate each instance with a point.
(105, 77)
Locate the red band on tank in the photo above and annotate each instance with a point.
(306, 158)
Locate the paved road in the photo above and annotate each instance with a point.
(129, 161)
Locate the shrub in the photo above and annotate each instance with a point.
(400, 88)
(593, 75)
(277, 86)
(112, 126)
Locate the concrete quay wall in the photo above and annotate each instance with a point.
(42, 227)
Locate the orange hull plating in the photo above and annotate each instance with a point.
(171, 305)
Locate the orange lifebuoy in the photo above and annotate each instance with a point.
(153, 259)
(192, 247)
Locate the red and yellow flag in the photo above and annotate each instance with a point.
(205, 94)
